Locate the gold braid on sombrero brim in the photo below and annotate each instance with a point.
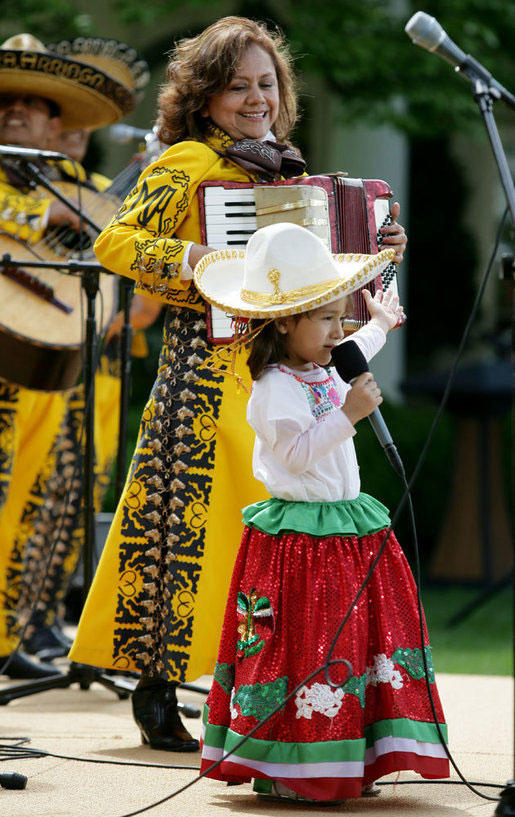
(289, 296)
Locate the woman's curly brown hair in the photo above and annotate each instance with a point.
(204, 65)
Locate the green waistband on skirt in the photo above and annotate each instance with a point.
(348, 517)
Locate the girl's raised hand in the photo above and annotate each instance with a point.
(384, 308)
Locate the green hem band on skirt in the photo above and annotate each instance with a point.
(348, 517)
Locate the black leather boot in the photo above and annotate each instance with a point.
(154, 705)
(48, 642)
(22, 666)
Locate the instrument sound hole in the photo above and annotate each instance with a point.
(64, 240)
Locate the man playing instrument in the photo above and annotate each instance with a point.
(38, 98)
(53, 518)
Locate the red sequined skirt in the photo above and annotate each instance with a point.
(288, 596)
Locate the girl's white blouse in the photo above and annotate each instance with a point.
(304, 450)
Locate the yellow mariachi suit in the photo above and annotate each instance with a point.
(157, 599)
(52, 519)
(30, 424)
(28, 421)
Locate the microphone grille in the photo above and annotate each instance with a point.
(349, 361)
(425, 30)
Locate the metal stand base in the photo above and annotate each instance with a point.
(506, 807)
(84, 676)
(77, 674)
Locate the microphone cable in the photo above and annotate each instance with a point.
(330, 662)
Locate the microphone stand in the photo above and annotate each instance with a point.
(485, 95)
(126, 288)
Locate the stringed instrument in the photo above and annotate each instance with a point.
(43, 312)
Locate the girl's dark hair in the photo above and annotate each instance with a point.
(204, 65)
(269, 346)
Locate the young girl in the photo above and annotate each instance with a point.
(306, 551)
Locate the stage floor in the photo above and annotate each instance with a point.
(95, 724)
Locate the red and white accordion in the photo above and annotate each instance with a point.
(347, 214)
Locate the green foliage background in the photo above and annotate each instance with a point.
(359, 48)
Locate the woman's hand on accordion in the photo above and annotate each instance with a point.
(198, 251)
(394, 235)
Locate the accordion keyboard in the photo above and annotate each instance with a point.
(230, 216)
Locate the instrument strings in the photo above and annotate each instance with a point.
(61, 239)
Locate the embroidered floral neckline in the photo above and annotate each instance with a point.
(322, 395)
(301, 379)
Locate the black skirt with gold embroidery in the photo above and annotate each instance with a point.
(170, 551)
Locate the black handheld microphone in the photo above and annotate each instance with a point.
(349, 361)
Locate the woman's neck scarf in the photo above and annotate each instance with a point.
(269, 160)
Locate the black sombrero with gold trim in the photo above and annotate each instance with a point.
(115, 58)
(87, 96)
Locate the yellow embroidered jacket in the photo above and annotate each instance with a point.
(23, 211)
(22, 214)
(146, 238)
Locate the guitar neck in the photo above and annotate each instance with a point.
(125, 181)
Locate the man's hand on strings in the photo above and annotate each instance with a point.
(59, 214)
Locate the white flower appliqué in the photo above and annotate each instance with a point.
(232, 707)
(383, 672)
(318, 698)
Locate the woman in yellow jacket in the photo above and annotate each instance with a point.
(157, 599)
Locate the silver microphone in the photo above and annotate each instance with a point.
(427, 32)
(126, 133)
(30, 153)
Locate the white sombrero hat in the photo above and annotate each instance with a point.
(87, 96)
(284, 270)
